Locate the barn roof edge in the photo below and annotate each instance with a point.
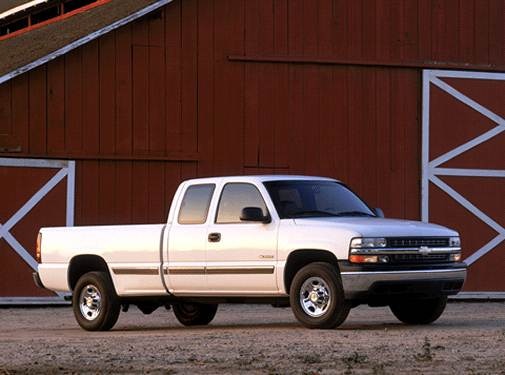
(83, 40)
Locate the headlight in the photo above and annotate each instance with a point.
(368, 242)
(454, 242)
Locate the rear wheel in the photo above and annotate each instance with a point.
(317, 297)
(420, 311)
(195, 314)
(95, 303)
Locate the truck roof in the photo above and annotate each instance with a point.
(257, 178)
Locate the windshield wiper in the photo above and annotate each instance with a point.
(312, 212)
(354, 213)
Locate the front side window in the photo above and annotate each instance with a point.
(195, 204)
(234, 198)
(301, 198)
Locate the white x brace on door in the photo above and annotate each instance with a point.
(431, 168)
(65, 169)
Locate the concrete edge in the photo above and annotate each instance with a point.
(33, 301)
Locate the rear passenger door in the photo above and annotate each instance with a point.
(241, 256)
(187, 241)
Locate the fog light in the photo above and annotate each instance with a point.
(364, 258)
(455, 257)
(384, 259)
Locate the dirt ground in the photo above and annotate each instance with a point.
(468, 338)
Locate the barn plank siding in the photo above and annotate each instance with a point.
(164, 86)
(203, 88)
(5, 112)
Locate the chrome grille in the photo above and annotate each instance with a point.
(407, 242)
(419, 258)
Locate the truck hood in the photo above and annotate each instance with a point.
(379, 227)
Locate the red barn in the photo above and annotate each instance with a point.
(106, 105)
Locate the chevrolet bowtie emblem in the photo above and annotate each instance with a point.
(424, 250)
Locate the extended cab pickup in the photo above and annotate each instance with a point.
(307, 242)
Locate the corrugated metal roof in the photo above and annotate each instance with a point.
(20, 51)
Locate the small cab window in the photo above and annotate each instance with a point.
(195, 204)
(234, 198)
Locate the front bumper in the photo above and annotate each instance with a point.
(37, 281)
(392, 284)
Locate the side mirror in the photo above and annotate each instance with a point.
(254, 214)
(378, 212)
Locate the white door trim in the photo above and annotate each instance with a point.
(431, 168)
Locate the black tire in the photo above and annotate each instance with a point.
(326, 279)
(95, 302)
(420, 311)
(194, 314)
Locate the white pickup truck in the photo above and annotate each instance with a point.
(307, 242)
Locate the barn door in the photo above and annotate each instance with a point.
(463, 167)
(33, 193)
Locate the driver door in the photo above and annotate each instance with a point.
(241, 256)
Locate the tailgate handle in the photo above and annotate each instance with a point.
(214, 237)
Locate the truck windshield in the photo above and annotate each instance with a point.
(301, 198)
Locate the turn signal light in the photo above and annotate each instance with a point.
(364, 258)
(38, 255)
(369, 259)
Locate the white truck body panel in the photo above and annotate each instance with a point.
(378, 227)
(133, 248)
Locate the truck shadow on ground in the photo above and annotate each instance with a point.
(352, 326)
(211, 327)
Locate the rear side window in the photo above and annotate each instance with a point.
(234, 198)
(195, 204)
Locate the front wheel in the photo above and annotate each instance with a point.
(194, 314)
(420, 311)
(317, 297)
(95, 302)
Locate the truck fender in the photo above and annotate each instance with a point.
(81, 264)
(298, 259)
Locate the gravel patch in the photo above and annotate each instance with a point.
(468, 338)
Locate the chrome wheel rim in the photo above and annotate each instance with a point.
(90, 302)
(315, 297)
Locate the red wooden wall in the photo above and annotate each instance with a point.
(186, 92)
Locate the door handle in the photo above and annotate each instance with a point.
(214, 237)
